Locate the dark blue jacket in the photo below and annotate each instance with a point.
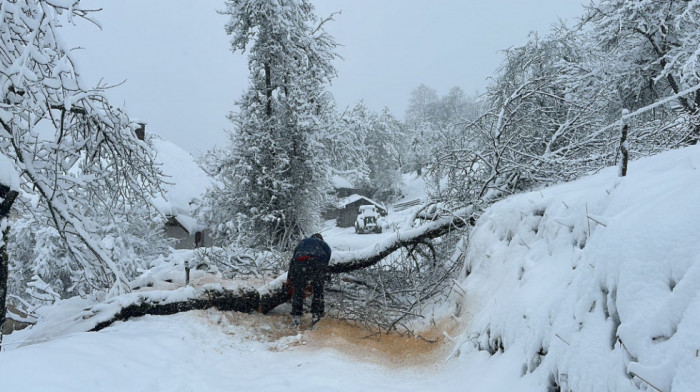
(312, 248)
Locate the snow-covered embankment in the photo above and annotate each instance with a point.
(592, 285)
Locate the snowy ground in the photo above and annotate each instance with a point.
(590, 286)
(198, 351)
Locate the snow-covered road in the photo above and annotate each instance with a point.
(206, 351)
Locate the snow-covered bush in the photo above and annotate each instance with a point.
(42, 269)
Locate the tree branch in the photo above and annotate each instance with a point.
(270, 295)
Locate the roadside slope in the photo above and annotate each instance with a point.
(591, 285)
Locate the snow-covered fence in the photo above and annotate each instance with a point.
(406, 205)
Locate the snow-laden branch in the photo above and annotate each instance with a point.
(347, 261)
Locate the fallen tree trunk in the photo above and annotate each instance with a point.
(353, 261)
(245, 299)
(269, 296)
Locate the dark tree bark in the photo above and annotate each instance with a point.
(242, 300)
(8, 198)
(624, 151)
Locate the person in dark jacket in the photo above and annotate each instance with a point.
(309, 264)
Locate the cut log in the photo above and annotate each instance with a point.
(273, 294)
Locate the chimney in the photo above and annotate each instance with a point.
(141, 131)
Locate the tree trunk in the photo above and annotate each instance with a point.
(4, 272)
(8, 198)
(624, 151)
(268, 91)
(241, 300)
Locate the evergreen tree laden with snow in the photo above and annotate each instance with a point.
(274, 178)
(80, 164)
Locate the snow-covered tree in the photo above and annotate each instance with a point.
(274, 178)
(539, 126)
(369, 149)
(431, 123)
(78, 159)
(555, 104)
(345, 145)
(386, 147)
(652, 52)
(423, 104)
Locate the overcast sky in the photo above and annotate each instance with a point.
(182, 79)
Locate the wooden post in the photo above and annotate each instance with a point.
(624, 151)
(187, 273)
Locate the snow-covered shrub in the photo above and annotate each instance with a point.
(239, 263)
(43, 270)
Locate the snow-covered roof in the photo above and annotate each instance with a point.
(355, 197)
(186, 182)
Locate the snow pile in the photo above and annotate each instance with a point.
(592, 285)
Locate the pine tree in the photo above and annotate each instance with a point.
(274, 178)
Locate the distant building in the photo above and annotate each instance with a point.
(185, 185)
(347, 209)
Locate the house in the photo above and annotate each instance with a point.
(348, 208)
(185, 185)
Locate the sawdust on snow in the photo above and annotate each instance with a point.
(428, 349)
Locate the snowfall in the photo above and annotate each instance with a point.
(591, 285)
